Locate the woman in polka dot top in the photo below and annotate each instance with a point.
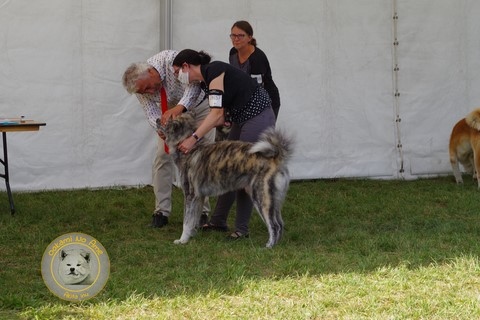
(250, 108)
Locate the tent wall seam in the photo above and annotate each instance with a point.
(396, 94)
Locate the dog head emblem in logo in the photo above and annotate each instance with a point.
(74, 267)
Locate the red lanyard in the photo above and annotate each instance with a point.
(163, 101)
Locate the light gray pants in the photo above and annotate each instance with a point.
(164, 169)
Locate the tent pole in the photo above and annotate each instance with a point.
(165, 24)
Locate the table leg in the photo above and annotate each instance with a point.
(6, 176)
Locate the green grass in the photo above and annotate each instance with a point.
(352, 249)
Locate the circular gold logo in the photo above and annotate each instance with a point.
(75, 267)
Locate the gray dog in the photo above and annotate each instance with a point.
(215, 168)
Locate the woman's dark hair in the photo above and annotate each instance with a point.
(191, 57)
(245, 26)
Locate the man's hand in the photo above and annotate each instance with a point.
(172, 113)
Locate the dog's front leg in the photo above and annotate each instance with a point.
(192, 210)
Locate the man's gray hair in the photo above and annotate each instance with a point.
(134, 72)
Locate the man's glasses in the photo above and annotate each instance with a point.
(237, 36)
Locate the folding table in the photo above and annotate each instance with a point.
(13, 125)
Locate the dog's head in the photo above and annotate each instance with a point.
(74, 266)
(178, 129)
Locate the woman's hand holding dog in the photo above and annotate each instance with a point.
(187, 144)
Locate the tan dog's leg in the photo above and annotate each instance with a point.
(456, 168)
(476, 160)
(454, 148)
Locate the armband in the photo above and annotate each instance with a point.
(196, 137)
(215, 98)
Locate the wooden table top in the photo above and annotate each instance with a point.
(14, 124)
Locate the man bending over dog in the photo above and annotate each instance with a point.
(146, 79)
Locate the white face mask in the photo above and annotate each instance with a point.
(183, 77)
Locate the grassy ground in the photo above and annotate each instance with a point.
(353, 249)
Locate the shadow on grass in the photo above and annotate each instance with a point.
(332, 226)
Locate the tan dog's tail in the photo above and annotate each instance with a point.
(473, 119)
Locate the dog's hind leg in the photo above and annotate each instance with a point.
(276, 216)
(263, 211)
(275, 227)
(192, 210)
(476, 161)
(267, 206)
(456, 169)
(280, 183)
(259, 204)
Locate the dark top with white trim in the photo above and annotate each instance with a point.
(242, 96)
(258, 66)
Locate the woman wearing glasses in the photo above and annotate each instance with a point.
(234, 91)
(246, 56)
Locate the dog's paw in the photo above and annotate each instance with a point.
(180, 241)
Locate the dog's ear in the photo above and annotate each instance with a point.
(175, 124)
(189, 120)
(85, 254)
(190, 115)
(63, 254)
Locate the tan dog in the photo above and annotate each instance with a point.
(465, 146)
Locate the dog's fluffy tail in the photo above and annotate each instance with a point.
(473, 119)
(274, 144)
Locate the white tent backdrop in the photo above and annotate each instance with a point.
(333, 61)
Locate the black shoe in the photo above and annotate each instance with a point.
(237, 235)
(159, 220)
(203, 219)
(211, 227)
